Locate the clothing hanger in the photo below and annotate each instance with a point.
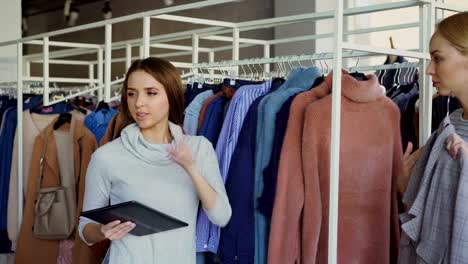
(300, 64)
(261, 73)
(257, 74)
(390, 92)
(206, 76)
(291, 67)
(405, 76)
(358, 75)
(243, 71)
(325, 61)
(62, 119)
(411, 76)
(321, 67)
(383, 76)
(102, 105)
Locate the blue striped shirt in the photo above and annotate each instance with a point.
(233, 121)
(207, 233)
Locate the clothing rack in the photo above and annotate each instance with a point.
(103, 81)
(259, 75)
(4, 90)
(229, 64)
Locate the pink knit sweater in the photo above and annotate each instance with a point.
(370, 159)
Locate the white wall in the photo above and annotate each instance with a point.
(10, 21)
(403, 39)
(233, 12)
(294, 7)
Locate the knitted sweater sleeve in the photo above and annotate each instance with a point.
(97, 189)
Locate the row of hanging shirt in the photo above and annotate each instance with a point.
(273, 142)
(403, 88)
(36, 119)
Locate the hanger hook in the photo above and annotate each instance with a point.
(243, 70)
(250, 69)
(357, 62)
(325, 61)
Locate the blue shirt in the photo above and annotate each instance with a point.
(5, 103)
(193, 90)
(270, 174)
(7, 136)
(97, 122)
(299, 81)
(213, 120)
(192, 112)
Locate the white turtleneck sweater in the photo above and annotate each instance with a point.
(130, 168)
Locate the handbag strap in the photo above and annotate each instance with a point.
(41, 160)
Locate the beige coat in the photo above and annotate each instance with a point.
(30, 249)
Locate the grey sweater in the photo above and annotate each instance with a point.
(130, 168)
(435, 228)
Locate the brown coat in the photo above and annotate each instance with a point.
(32, 250)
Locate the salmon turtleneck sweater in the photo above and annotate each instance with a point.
(370, 160)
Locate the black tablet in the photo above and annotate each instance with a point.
(148, 220)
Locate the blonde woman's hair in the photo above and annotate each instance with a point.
(455, 30)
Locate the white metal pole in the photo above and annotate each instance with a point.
(427, 20)
(195, 49)
(142, 56)
(211, 56)
(128, 56)
(45, 66)
(100, 70)
(91, 74)
(108, 58)
(266, 54)
(28, 68)
(146, 36)
(20, 131)
(235, 47)
(335, 136)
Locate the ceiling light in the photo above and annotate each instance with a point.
(73, 16)
(106, 10)
(168, 2)
(24, 25)
(66, 8)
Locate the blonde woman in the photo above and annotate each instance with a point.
(449, 72)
